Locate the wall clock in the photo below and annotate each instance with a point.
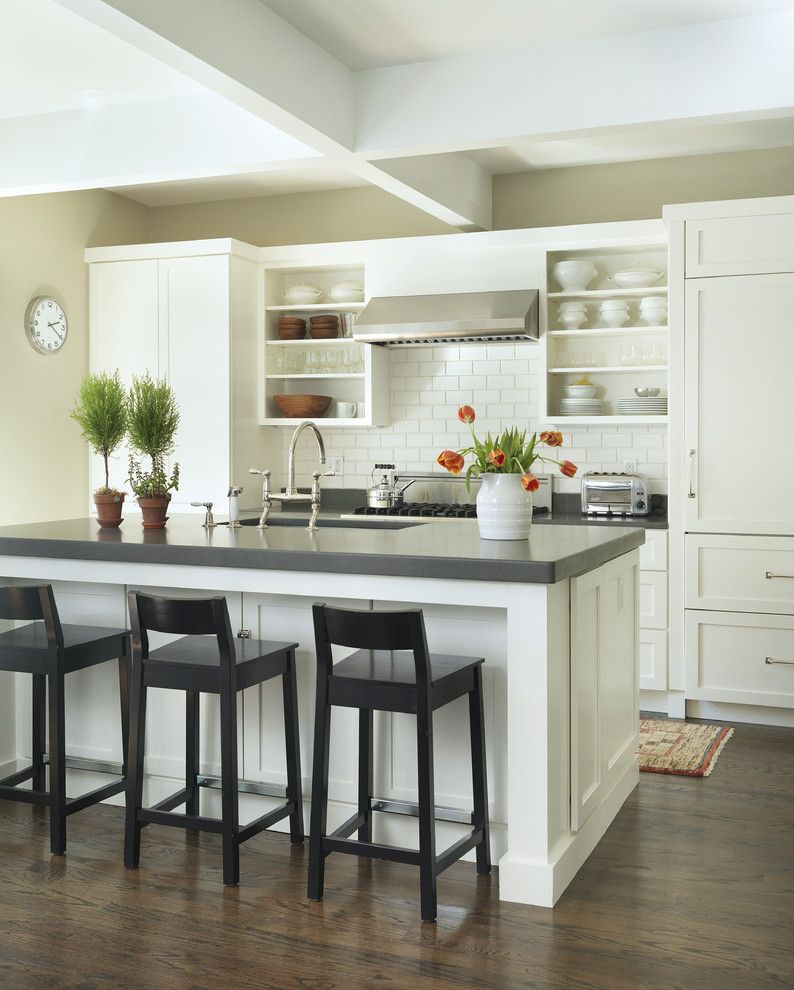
(46, 324)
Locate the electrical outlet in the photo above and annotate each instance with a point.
(630, 467)
(337, 465)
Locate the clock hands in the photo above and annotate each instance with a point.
(56, 324)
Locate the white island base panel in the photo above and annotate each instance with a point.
(561, 683)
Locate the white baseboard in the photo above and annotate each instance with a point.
(754, 714)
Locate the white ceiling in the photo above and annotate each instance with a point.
(309, 177)
(367, 34)
(51, 60)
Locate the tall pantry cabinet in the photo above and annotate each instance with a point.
(185, 311)
(732, 507)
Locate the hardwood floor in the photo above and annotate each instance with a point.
(692, 887)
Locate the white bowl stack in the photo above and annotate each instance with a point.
(580, 400)
(615, 312)
(653, 310)
(572, 315)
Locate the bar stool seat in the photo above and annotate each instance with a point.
(24, 650)
(191, 663)
(49, 650)
(392, 670)
(387, 679)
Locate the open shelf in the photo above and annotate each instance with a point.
(605, 420)
(317, 374)
(311, 342)
(321, 420)
(635, 331)
(599, 370)
(331, 307)
(651, 290)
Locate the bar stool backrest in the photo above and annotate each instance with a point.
(181, 617)
(367, 630)
(37, 602)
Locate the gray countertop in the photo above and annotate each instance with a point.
(451, 550)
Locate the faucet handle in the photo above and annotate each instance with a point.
(264, 471)
(235, 490)
(209, 519)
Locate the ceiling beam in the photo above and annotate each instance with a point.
(700, 73)
(242, 51)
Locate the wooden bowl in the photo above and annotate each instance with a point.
(302, 406)
(324, 331)
(292, 332)
(327, 318)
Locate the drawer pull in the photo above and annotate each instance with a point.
(771, 660)
(770, 575)
(691, 492)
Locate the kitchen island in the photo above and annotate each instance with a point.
(555, 617)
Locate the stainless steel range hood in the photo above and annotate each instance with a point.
(453, 317)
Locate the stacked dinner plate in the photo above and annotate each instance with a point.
(581, 407)
(637, 406)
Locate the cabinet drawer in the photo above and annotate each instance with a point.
(740, 573)
(653, 660)
(741, 658)
(740, 245)
(653, 553)
(653, 599)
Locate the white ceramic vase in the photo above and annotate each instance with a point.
(504, 509)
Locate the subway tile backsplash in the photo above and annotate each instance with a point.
(503, 382)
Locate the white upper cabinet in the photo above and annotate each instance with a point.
(739, 404)
(746, 245)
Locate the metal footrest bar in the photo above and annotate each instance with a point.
(246, 786)
(94, 797)
(372, 850)
(265, 821)
(98, 766)
(441, 814)
(460, 848)
(17, 778)
(147, 816)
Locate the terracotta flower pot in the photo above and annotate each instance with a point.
(154, 511)
(109, 508)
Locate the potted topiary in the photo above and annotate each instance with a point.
(152, 421)
(101, 413)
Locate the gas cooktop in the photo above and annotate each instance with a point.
(433, 510)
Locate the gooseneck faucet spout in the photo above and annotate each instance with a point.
(306, 424)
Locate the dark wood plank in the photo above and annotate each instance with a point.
(693, 886)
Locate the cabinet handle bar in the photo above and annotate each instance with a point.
(771, 660)
(691, 492)
(770, 575)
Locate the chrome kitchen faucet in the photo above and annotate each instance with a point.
(290, 494)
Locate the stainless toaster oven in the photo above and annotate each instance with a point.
(615, 495)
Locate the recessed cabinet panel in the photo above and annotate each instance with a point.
(653, 599)
(740, 245)
(740, 573)
(586, 750)
(653, 660)
(653, 553)
(739, 352)
(740, 658)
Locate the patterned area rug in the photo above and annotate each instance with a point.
(685, 749)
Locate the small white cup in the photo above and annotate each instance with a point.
(346, 410)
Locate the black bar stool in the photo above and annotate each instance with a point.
(222, 666)
(48, 650)
(393, 671)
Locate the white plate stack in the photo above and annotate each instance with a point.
(635, 406)
(581, 407)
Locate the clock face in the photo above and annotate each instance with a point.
(46, 326)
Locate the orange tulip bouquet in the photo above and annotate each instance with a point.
(510, 453)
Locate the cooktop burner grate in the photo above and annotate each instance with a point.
(437, 510)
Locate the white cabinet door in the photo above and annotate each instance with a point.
(653, 599)
(604, 681)
(740, 245)
(123, 313)
(194, 356)
(739, 352)
(653, 659)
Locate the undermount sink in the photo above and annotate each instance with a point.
(277, 520)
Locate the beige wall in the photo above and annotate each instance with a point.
(636, 190)
(299, 218)
(44, 461)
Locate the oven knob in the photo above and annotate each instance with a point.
(640, 505)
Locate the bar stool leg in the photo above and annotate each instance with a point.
(427, 825)
(134, 796)
(318, 825)
(192, 732)
(39, 731)
(124, 701)
(365, 772)
(479, 775)
(229, 812)
(55, 685)
(289, 688)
